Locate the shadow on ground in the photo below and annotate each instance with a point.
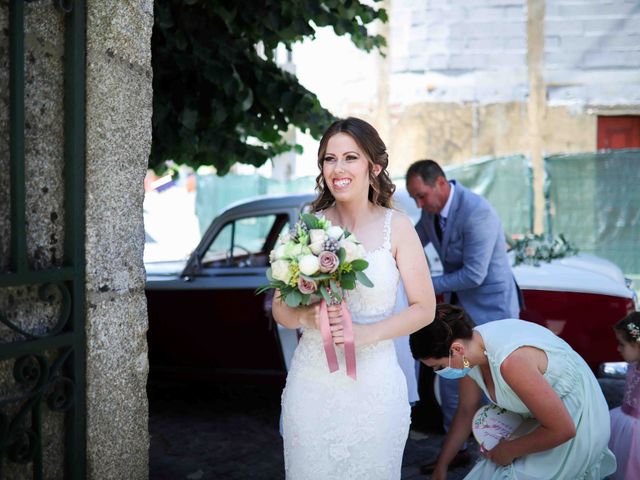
(231, 432)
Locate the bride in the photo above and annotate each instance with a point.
(335, 427)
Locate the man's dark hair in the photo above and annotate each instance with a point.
(434, 340)
(427, 170)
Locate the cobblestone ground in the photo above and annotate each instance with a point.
(231, 432)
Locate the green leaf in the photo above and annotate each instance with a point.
(188, 118)
(335, 290)
(325, 295)
(293, 298)
(305, 298)
(359, 264)
(311, 221)
(262, 289)
(317, 277)
(363, 279)
(348, 280)
(342, 254)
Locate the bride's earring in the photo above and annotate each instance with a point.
(465, 362)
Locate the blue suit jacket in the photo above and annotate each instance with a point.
(474, 258)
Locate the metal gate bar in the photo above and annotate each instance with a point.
(60, 383)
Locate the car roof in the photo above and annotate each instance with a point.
(267, 202)
(295, 200)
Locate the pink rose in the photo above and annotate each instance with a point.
(328, 262)
(306, 286)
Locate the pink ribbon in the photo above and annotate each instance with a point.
(327, 340)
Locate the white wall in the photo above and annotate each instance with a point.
(592, 52)
(458, 50)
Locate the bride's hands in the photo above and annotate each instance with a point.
(309, 316)
(360, 332)
(335, 323)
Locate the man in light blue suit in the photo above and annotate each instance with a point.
(467, 233)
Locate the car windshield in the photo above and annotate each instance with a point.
(247, 237)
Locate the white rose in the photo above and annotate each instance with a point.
(352, 238)
(284, 237)
(351, 250)
(335, 232)
(280, 271)
(317, 248)
(292, 250)
(309, 264)
(317, 235)
(278, 252)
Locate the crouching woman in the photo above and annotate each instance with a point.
(524, 368)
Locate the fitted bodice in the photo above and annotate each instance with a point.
(372, 304)
(565, 368)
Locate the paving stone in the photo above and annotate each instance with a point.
(231, 433)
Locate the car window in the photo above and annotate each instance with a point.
(245, 241)
(221, 245)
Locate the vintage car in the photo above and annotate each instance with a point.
(206, 322)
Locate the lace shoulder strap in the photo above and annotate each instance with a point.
(387, 229)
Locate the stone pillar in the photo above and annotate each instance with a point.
(536, 104)
(119, 107)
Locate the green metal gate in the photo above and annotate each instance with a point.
(46, 369)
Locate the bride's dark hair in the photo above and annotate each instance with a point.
(381, 187)
(434, 341)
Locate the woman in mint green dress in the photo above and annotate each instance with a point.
(525, 368)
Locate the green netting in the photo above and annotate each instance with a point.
(214, 193)
(506, 183)
(594, 200)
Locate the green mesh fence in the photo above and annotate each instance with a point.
(594, 200)
(506, 183)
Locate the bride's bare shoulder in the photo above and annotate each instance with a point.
(400, 221)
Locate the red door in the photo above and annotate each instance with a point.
(619, 132)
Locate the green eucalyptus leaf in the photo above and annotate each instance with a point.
(293, 298)
(311, 221)
(348, 281)
(324, 294)
(363, 279)
(359, 264)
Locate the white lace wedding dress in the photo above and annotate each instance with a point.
(338, 428)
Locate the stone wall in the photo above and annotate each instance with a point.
(118, 140)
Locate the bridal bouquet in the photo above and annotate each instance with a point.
(318, 261)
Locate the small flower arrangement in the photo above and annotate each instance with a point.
(531, 249)
(316, 260)
(634, 331)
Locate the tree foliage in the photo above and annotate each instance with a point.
(217, 100)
